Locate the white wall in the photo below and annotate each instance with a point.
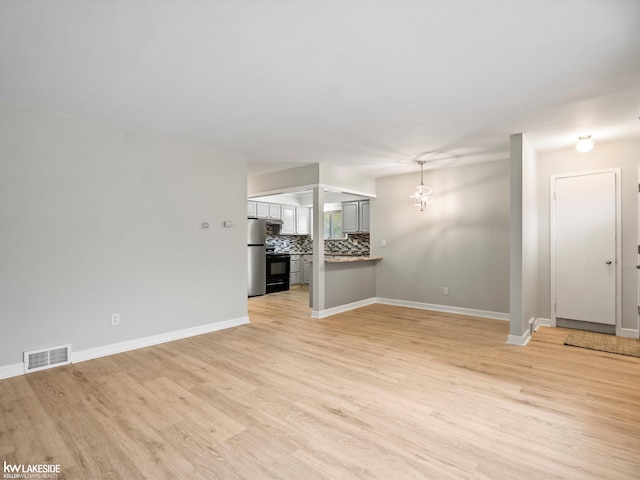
(625, 155)
(97, 221)
(461, 240)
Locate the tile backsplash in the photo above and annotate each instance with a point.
(291, 243)
(354, 244)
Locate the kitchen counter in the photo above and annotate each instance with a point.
(349, 258)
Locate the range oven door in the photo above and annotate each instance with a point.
(278, 271)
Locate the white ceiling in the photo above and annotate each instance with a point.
(367, 84)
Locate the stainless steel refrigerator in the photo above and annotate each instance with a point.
(256, 236)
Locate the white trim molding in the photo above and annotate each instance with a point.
(519, 341)
(16, 369)
(8, 371)
(406, 303)
(629, 333)
(536, 323)
(342, 308)
(444, 308)
(543, 322)
(105, 350)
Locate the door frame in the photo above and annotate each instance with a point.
(552, 238)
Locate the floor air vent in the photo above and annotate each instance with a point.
(47, 358)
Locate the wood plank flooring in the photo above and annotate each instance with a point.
(380, 392)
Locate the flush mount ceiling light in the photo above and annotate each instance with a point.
(585, 144)
(421, 197)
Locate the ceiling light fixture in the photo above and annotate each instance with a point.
(421, 196)
(585, 144)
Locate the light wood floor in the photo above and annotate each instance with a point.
(377, 393)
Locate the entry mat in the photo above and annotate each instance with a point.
(604, 343)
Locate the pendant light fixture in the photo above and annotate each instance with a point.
(421, 197)
(585, 144)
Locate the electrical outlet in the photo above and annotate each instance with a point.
(383, 243)
(115, 319)
(445, 290)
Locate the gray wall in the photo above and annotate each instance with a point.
(524, 237)
(530, 238)
(297, 178)
(461, 240)
(625, 155)
(97, 221)
(349, 282)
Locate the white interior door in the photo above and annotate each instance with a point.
(585, 247)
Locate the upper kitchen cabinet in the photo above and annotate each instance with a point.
(252, 209)
(350, 217)
(275, 211)
(364, 216)
(295, 220)
(303, 221)
(355, 216)
(264, 210)
(288, 220)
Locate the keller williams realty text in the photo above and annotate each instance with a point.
(31, 471)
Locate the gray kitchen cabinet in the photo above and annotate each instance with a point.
(364, 215)
(296, 220)
(306, 269)
(295, 270)
(350, 217)
(355, 216)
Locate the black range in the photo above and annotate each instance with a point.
(278, 270)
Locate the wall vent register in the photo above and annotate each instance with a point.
(47, 358)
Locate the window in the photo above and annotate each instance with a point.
(333, 224)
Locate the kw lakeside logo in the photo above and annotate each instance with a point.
(42, 470)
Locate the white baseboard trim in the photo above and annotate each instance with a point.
(543, 322)
(16, 369)
(629, 333)
(8, 371)
(103, 351)
(342, 308)
(519, 341)
(536, 323)
(444, 308)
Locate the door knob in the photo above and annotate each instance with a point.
(608, 262)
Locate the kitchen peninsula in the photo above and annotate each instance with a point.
(348, 279)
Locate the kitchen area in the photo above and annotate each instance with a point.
(280, 229)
